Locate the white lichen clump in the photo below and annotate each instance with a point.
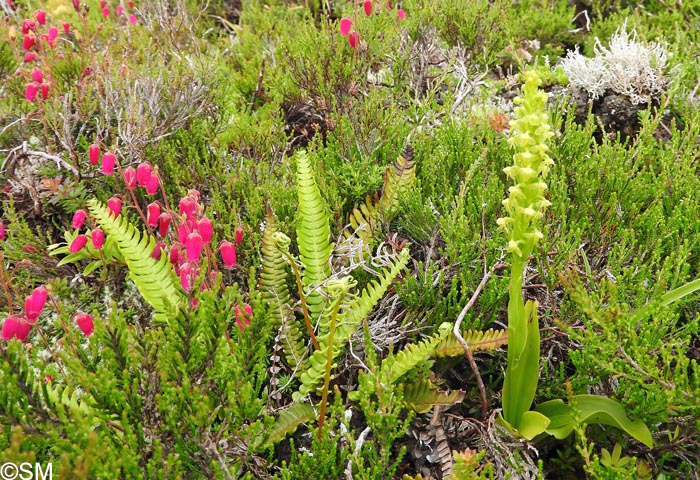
(627, 67)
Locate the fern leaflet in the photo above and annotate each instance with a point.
(313, 233)
(352, 312)
(153, 278)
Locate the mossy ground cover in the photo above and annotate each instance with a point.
(193, 363)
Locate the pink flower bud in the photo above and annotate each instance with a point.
(3, 233)
(77, 244)
(188, 206)
(242, 316)
(94, 152)
(37, 75)
(182, 232)
(368, 7)
(205, 228)
(98, 238)
(48, 378)
(28, 42)
(387, 5)
(228, 253)
(31, 91)
(131, 4)
(105, 12)
(158, 250)
(132, 19)
(41, 17)
(163, 223)
(354, 38)
(153, 214)
(53, 34)
(143, 173)
(188, 275)
(30, 57)
(66, 28)
(76, 5)
(17, 327)
(78, 219)
(153, 184)
(345, 26)
(174, 255)
(44, 91)
(194, 245)
(401, 13)
(129, 178)
(85, 323)
(238, 235)
(28, 25)
(103, 3)
(120, 10)
(115, 205)
(34, 303)
(108, 161)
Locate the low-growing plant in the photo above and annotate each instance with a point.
(525, 207)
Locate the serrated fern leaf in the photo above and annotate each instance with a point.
(476, 340)
(313, 233)
(273, 283)
(423, 395)
(398, 178)
(288, 421)
(153, 278)
(353, 310)
(395, 366)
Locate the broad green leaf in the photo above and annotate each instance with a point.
(532, 423)
(592, 409)
(523, 371)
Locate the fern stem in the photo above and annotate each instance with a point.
(302, 298)
(327, 373)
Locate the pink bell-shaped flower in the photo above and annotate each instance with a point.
(115, 206)
(98, 238)
(194, 245)
(78, 243)
(79, 219)
(153, 184)
(34, 303)
(108, 161)
(153, 214)
(129, 178)
(143, 173)
(228, 253)
(205, 227)
(85, 323)
(94, 154)
(15, 326)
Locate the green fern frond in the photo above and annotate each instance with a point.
(395, 366)
(398, 178)
(476, 340)
(153, 278)
(313, 233)
(273, 276)
(273, 284)
(352, 311)
(423, 395)
(364, 219)
(288, 421)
